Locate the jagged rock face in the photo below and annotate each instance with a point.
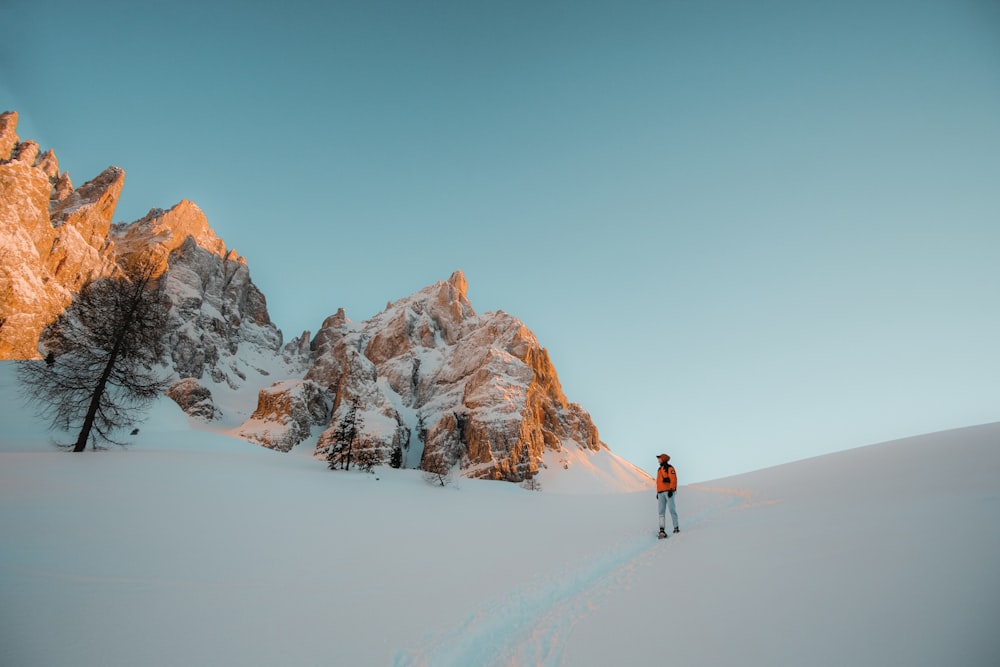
(89, 209)
(29, 297)
(81, 250)
(8, 134)
(193, 398)
(168, 230)
(440, 383)
(214, 306)
(286, 413)
(297, 354)
(54, 238)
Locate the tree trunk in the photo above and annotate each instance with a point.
(95, 403)
(95, 400)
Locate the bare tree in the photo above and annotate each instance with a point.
(99, 374)
(438, 470)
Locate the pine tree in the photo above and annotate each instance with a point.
(530, 481)
(369, 457)
(344, 438)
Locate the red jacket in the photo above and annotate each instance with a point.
(666, 479)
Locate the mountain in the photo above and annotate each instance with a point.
(55, 238)
(428, 383)
(436, 382)
(219, 331)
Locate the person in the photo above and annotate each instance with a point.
(666, 487)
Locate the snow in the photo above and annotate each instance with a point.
(194, 548)
(578, 470)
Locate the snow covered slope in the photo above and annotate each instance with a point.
(193, 548)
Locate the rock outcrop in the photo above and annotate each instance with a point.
(8, 134)
(286, 413)
(193, 398)
(214, 305)
(168, 230)
(438, 385)
(54, 238)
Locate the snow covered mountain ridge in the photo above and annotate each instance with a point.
(428, 382)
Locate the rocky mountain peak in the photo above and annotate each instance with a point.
(434, 384)
(459, 283)
(168, 230)
(54, 238)
(90, 208)
(8, 134)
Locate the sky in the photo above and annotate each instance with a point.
(746, 233)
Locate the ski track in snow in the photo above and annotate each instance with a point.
(530, 625)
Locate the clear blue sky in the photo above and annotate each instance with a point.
(747, 232)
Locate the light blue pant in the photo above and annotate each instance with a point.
(664, 504)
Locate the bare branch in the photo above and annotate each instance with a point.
(100, 370)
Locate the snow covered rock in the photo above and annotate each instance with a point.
(193, 398)
(286, 413)
(297, 354)
(168, 230)
(214, 306)
(448, 387)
